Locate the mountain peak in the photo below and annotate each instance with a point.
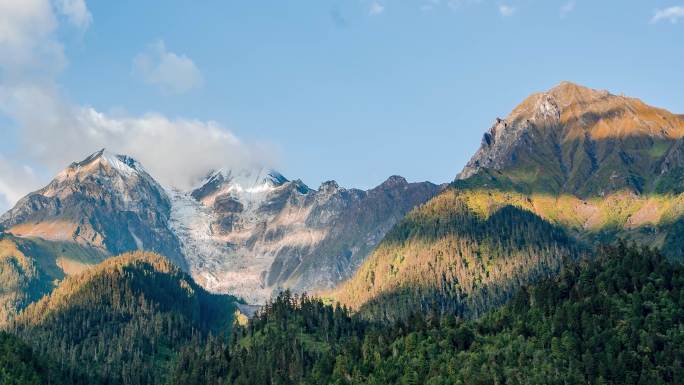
(567, 93)
(247, 178)
(561, 138)
(275, 178)
(568, 87)
(248, 181)
(122, 164)
(394, 181)
(565, 97)
(328, 187)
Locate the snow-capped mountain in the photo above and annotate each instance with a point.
(107, 202)
(250, 233)
(246, 232)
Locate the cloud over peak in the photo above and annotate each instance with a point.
(51, 131)
(175, 151)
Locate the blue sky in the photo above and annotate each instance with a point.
(350, 90)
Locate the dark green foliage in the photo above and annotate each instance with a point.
(671, 182)
(20, 366)
(124, 321)
(674, 241)
(616, 320)
(458, 260)
(292, 340)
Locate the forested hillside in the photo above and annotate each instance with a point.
(501, 278)
(618, 319)
(464, 252)
(124, 321)
(603, 166)
(19, 365)
(568, 169)
(31, 267)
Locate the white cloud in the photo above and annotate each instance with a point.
(52, 132)
(672, 14)
(175, 151)
(167, 70)
(506, 10)
(76, 11)
(28, 47)
(566, 8)
(376, 8)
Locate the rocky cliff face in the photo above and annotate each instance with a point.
(251, 233)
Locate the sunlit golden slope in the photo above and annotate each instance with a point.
(31, 267)
(462, 252)
(567, 170)
(585, 142)
(124, 320)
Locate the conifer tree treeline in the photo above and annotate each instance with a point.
(616, 320)
(464, 252)
(20, 366)
(124, 321)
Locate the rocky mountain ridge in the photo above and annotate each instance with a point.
(251, 234)
(248, 233)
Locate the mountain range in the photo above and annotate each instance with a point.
(247, 233)
(504, 275)
(568, 169)
(577, 165)
(589, 164)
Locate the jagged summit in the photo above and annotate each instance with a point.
(329, 187)
(242, 182)
(394, 181)
(249, 178)
(576, 139)
(103, 161)
(253, 233)
(244, 231)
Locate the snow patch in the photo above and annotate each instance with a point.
(125, 166)
(215, 262)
